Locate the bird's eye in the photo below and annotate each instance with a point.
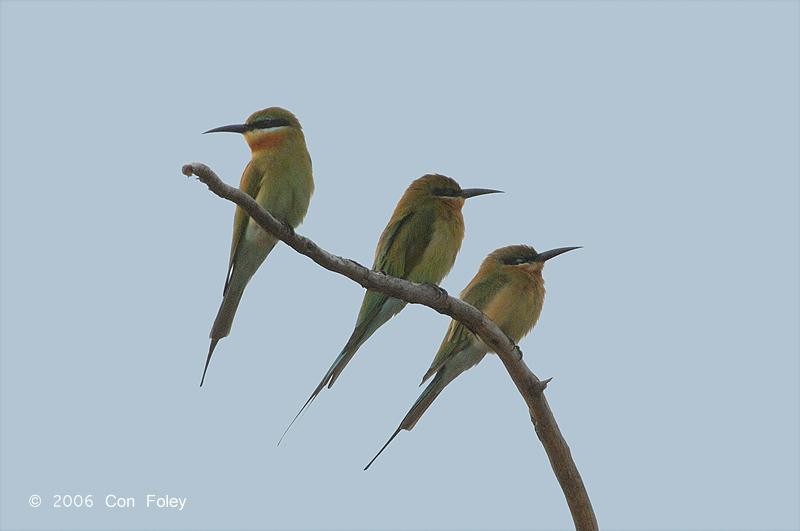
(518, 260)
(270, 123)
(445, 192)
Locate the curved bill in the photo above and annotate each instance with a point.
(552, 253)
(466, 193)
(238, 128)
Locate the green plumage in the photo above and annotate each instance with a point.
(279, 177)
(420, 244)
(509, 290)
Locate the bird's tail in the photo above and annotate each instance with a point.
(344, 357)
(425, 400)
(224, 321)
(358, 338)
(250, 252)
(208, 359)
(382, 449)
(422, 404)
(366, 326)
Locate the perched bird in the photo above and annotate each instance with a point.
(419, 244)
(509, 289)
(279, 178)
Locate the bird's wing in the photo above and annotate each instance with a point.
(370, 308)
(400, 247)
(480, 294)
(249, 185)
(403, 243)
(458, 336)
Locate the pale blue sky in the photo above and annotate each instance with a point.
(660, 136)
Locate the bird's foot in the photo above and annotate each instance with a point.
(288, 227)
(517, 350)
(441, 293)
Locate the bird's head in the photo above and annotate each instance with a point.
(266, 128)
(525, 257)
(439, 187)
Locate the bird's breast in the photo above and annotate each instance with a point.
(285, 183)
(516, 308)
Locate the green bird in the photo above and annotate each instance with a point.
(509, 290)
(419, 244)
(279, 178)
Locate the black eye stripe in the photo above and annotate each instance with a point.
(515, 261)
(270, 123)
(445, 192)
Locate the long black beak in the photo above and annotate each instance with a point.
(552, 253)
(473, 192)
(238, 128)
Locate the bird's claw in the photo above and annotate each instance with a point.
(441, 293)
(288, 226)
(517, 350)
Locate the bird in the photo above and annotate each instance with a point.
(280, 178)
(509, 290)
(419, 244)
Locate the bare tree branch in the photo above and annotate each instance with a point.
(529, 386)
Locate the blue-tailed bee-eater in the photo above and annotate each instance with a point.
(509, 290)
(279, 178)
(419, 244)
